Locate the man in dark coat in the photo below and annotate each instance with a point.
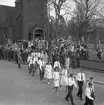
(78, 58)
(74, 60)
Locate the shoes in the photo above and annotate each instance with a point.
(81, 99)
(77, 95)
(66, 99)
(32, 74)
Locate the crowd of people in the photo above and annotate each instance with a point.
(61, 75)
(61, 50)
(64, 56)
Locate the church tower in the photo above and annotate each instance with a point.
(17, 4)
(33, 14)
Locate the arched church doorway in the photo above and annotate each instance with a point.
(36, 33)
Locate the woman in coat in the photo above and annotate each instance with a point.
(56, 79)
(19, 58)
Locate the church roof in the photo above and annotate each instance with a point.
(17, 16)
(7, 14)
(17, 1)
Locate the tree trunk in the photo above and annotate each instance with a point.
(80, 39)
(50, 52)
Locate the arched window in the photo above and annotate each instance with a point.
(38, 32)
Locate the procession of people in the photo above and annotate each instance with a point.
(65, 57)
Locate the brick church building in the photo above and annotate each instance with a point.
(24, 21)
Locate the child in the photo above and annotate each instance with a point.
(56, 77)
(67, 62)
(64, 78)
(71, 83)
(48, 72)
(89, 99)
(91, 80)
(41, 67)
(30, 63)
(28, 60)
(81, 81)
(57, 64)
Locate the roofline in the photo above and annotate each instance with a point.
(7, 6)
(17, 16)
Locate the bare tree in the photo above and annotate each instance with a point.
(55, 22)
(100, 11)
(84, 15)
(60, 8)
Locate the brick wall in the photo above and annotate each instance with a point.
(33, 13)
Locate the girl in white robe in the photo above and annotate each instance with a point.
(57, 64)
(48, 72)
(35, 62)
(56, 79)
(28, 60)
(31, 64)
(67, 62)
(64, 79)
(45, 58)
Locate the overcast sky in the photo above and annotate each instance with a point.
(7, 2)
(10, 2)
